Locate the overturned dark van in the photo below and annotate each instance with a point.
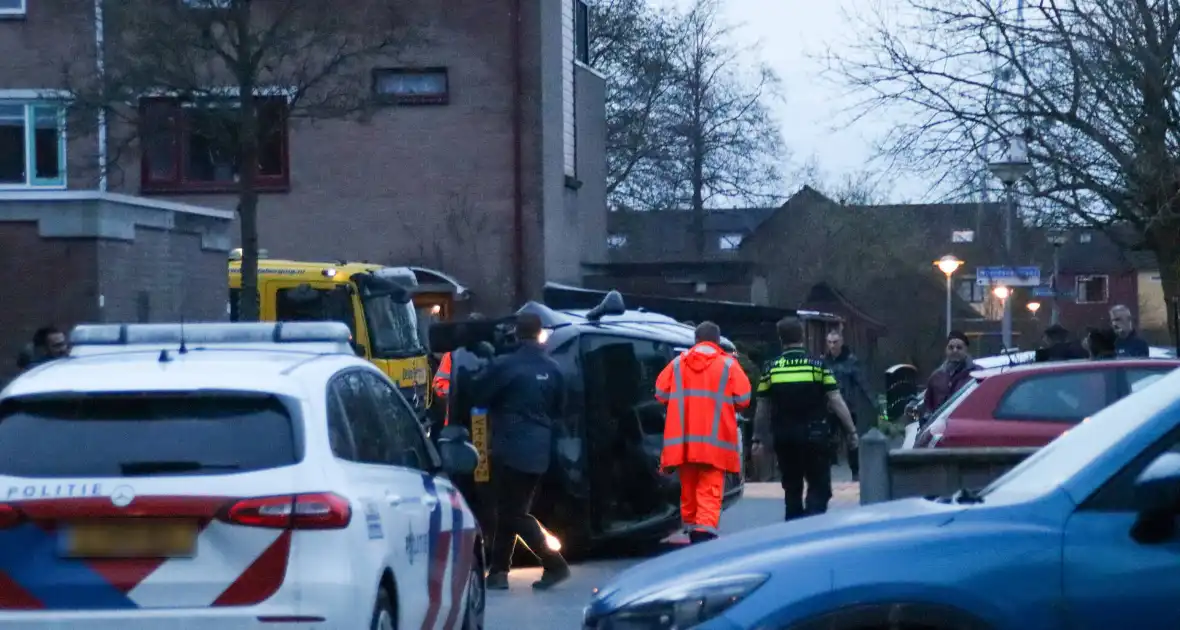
(604, 484)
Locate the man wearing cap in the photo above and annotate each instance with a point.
(953, 374)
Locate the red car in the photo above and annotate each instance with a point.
(1032, 404)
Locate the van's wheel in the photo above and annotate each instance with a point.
(384, 616)
(476, 599)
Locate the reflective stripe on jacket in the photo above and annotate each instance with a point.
(441, 383)
(703, 389)
(442, 377)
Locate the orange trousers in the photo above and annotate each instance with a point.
(701, 487)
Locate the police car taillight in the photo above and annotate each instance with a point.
(322, 510)
(10, 516)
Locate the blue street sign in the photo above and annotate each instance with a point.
(1044, 291)
(1009, 276)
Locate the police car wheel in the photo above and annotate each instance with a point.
(384, 617)
(476, 599)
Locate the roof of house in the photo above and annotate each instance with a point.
(1091, 251)
(667, 235)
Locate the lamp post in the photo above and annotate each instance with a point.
(1033, 307)
(1057, 239)
(1012, 168)
(1003, 293)
(948, 265)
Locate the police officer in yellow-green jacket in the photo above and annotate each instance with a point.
(795, 394)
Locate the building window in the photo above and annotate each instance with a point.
(12, 8)
(971, 291)
(729, 242)
(205, 4)
(1093, 289)
(616, 241)
(194, 146)
(963, 236)
(582, 31)
(1085, 237)
(32, 145)
(411, 86)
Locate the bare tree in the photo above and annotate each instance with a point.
(857, 188)
(632, 45)
(1091, 85)
(723, 145)
(238, 58)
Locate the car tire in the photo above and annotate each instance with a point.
(477, 599)
(384, 613)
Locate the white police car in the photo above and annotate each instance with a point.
(253, 476)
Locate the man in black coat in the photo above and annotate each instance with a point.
(524, 393)
(1058, 346)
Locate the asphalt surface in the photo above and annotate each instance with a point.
(520, 608)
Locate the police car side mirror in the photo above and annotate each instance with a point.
(459, 456)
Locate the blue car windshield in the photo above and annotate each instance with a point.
(1071, 453)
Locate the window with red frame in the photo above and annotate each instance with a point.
(191, 146)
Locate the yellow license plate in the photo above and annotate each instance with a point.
(131, 539)
(479, 437)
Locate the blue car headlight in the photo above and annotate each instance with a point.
(680, 606)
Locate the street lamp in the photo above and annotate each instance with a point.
(948, 265)
(1002, 292)
(1057, 238)
(1012, 168)
(1033, 307)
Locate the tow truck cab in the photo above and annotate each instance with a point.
(604, 483)
(375, 302)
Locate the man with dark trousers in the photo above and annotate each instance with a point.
(795, 394)
(524, 393)
(847, 370)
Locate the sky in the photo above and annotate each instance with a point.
(790, 36)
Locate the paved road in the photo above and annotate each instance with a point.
(561, 609)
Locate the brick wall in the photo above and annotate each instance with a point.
(1123, 289)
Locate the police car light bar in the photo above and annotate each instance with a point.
(209, 333)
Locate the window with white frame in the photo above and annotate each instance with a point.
(10, 8)
(729, 242)
(616, 241)
(971, 291)
(1093, 289)
(32, 144)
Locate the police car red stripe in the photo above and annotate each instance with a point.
(246, 541)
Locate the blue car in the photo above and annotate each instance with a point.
(1082, 535)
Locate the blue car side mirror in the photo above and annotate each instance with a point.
(1157, 497)
(1158, 486)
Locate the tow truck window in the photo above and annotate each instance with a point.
(393, 327)
(306, 304)
(145, 435)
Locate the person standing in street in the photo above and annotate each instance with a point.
(447, 370)
(524, 392)
(845, 367)
(795, 395)
(703, 389)
(1129, 343)
(953, 374)
(1058, 346)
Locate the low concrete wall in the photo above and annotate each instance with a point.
(887, 474)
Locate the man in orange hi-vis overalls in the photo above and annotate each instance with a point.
(703, 388)
(442, 380)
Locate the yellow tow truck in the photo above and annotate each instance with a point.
(374, 301)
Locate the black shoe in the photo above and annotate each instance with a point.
(556, 572)
(697, 536)
(497, 582)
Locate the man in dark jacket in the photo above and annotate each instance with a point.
(952, 375)
(524, 393)
(1057, 345)
(1129, 344)
(845, 367)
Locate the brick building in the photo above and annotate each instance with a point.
(485, 159)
